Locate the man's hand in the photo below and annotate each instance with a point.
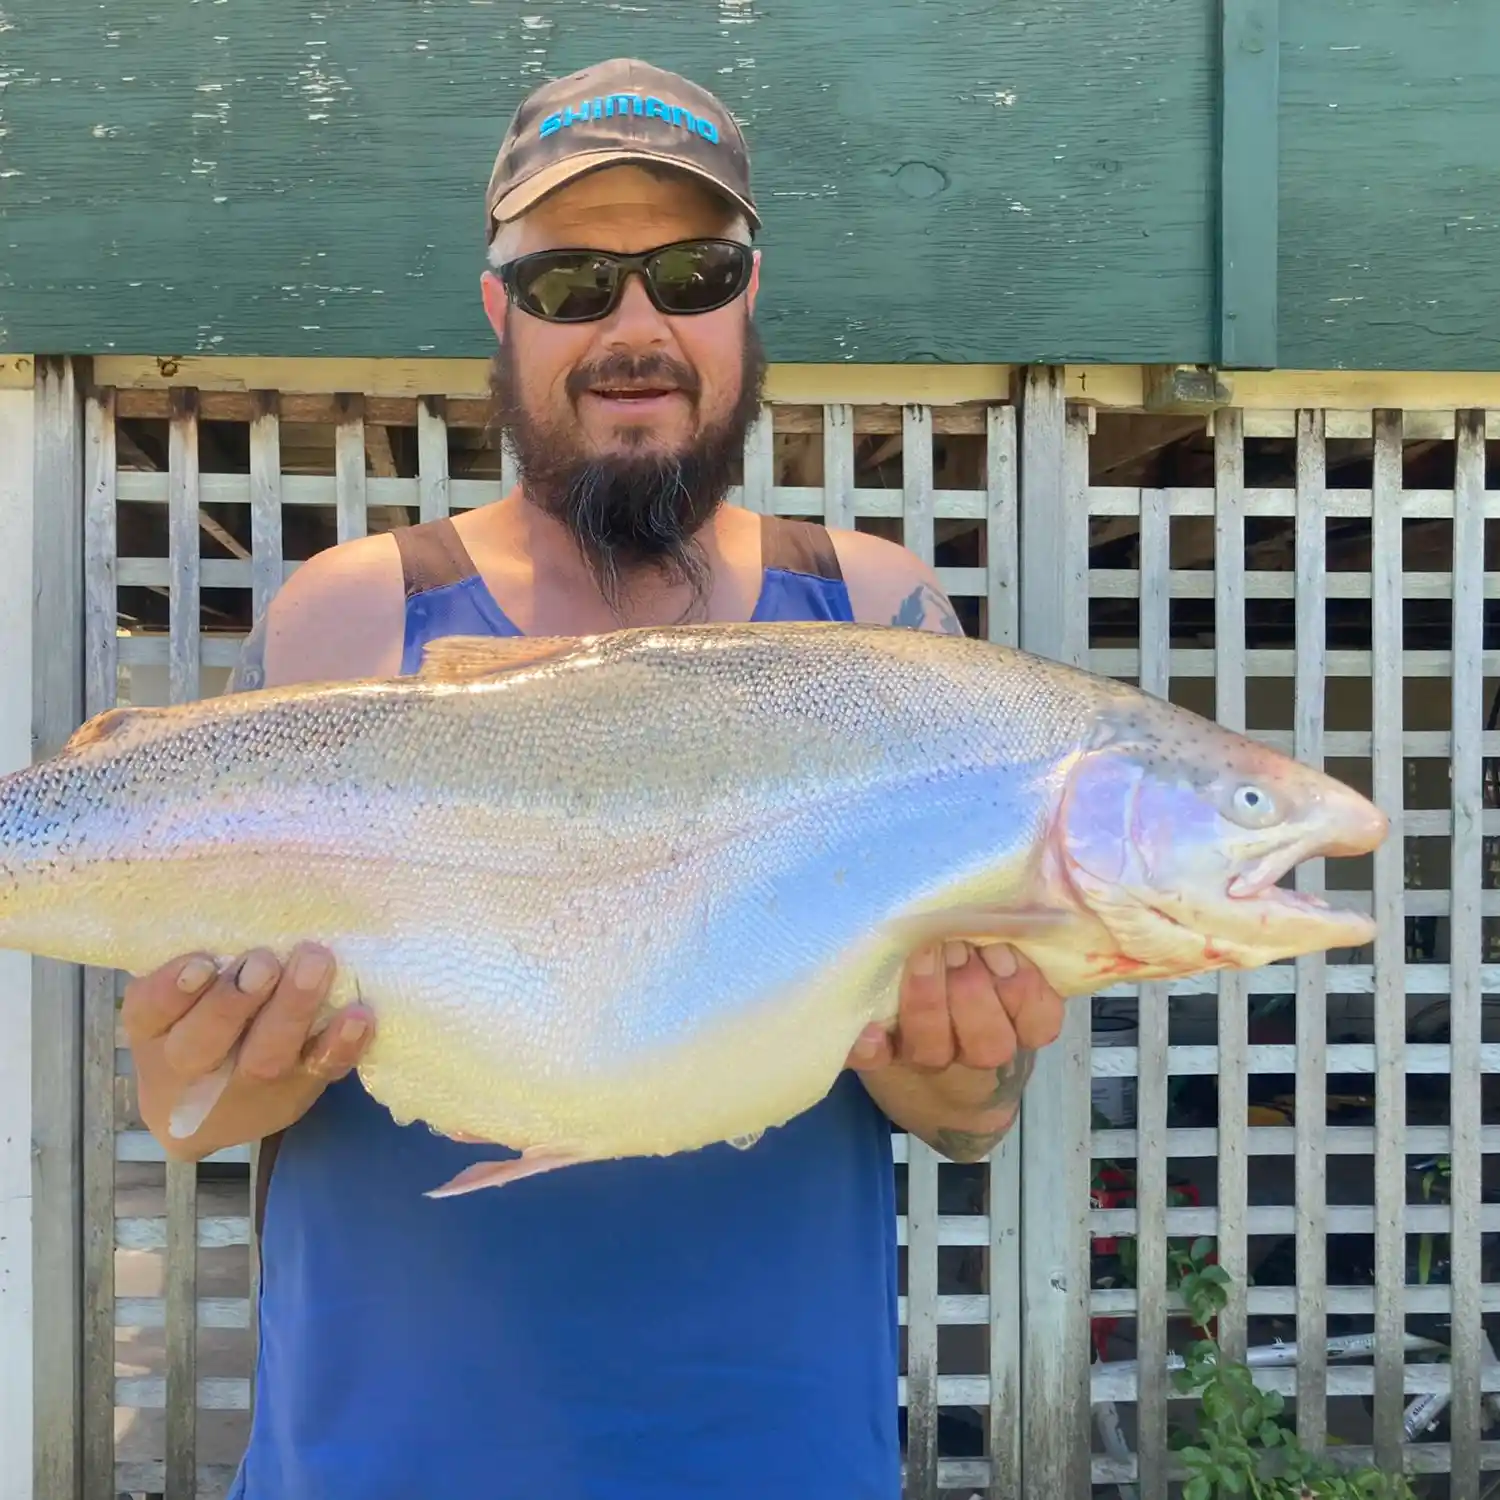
(184, 1021)
(965, 1042)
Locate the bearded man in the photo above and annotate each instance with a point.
(721, 1323)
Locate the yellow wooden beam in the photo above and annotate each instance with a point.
(17, 372)
(860, 385)
(1106, 387)
(1140, 387)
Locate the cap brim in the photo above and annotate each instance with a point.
(549, 179)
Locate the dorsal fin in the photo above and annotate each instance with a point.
(467, 658)
(104, 725)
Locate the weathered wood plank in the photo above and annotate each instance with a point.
(17, 1325)
(1001, 538)
(760, 461)
(916, 481)
(1388, 786)
(1230, 666)
(432, 457)
(1249, 196)
(921, 1324)
(57, 989)
(1151, 1069)
(1466, 945)
(1054, 1123)
(265, 502)
(350, 466)
(838, 466)
(1003, 1270)
(182, 1177)
(1312, 996)
(99, 985)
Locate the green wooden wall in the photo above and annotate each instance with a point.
(976, 180)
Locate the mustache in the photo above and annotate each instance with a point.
(632, 369)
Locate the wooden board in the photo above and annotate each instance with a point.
(285, 178)
(1037, 181)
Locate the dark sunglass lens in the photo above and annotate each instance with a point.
(565, 287)
(698, 277)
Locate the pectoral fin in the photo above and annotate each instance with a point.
(979, 925)
(197, 1103)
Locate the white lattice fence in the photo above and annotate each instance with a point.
(1270, 592)
(211, 541)
(1306, 594)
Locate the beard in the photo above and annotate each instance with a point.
(637, 511)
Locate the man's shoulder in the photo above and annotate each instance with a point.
(890, 585)
(339, 615)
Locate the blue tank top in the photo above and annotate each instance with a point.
(717, 1324)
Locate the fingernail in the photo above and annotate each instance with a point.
(310, 969)
(924, 963)
(256, 973)
(1001, 961)
(194, 974)
(355, 1029)
(955, 955)
(869, 1042)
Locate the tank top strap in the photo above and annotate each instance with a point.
(789, 544)
(432, 556)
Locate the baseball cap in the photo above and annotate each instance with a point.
(622, 110)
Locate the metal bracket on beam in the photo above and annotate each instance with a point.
(1185, 389)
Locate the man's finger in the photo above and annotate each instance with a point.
(273, 1045)
(154, 1003)
(338, 1048)
(986, 1036)
(872, 1049)
(1035, 1008)
(924, 1031)
(203, 1038)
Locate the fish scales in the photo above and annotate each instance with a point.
(623, 895)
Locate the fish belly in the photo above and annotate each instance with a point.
(668, 1003)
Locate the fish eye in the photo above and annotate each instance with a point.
(1253, 806)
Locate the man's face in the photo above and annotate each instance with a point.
(628, 429)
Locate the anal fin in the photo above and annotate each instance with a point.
(487, 1174)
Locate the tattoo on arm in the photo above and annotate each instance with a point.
(1010, 1081)
(967, 1145)
(250, 671)
(1012, 1078)
(925, 608)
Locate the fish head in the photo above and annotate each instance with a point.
(1174, 833)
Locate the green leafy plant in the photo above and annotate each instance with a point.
(1244, 1446)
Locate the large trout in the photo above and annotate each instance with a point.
(637, 893)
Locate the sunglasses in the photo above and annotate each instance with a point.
(581, 286)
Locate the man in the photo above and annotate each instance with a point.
(720, 1323)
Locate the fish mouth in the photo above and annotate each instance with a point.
(1258, 886)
